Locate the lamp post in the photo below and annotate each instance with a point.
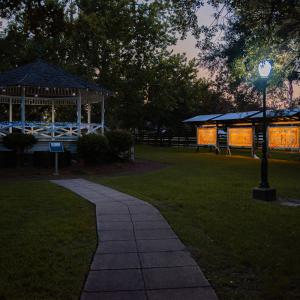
(264, 192)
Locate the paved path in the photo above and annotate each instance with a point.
(138, 256)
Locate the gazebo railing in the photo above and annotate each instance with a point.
(50, 130)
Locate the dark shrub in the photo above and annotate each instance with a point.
(119, 141)
(19, 141)
(93, 148)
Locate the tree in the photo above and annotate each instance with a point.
(174, 93)
(125, 41)
(118, 38)
(252, 31)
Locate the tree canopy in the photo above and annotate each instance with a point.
(123, 44)
(251, 31)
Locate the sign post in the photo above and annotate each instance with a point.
(56, 147)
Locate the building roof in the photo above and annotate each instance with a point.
(245, 116)
(236, 116)
(284, 113)
(202, 118)
(42, 74)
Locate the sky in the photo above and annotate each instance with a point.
(205, 17)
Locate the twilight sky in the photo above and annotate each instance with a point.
(205, 17)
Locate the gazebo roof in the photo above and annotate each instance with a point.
(42, 74)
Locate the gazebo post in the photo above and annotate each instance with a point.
(10, 115)
(79, 113)
(102, 114)
(53, 119)
(89, 110)
(23, 108)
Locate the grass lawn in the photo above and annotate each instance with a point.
(47, 239)
(247, 249)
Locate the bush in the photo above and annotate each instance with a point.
(93, 148)
(119, 141)
(18, 142)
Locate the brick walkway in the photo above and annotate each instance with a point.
(138, 255)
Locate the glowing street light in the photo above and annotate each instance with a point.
(264, 69)
(264, 192)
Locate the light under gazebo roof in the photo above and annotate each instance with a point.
(43, 83)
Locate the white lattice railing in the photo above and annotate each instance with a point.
(50, 130)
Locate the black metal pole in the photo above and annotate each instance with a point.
(264, 161)
(56, 164)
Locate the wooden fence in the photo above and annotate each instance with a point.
(183, 141)
(166, 141)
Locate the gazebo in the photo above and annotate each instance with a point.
(41, 83)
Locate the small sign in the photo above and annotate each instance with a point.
(56, 147)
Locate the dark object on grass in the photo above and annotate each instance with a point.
(93, 148)
(120, 142)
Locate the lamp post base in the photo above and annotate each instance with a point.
(265, 194)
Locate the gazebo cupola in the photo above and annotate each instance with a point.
(41, 83)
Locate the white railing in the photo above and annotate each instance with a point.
(43, 130)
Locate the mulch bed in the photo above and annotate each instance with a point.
(81, 170)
